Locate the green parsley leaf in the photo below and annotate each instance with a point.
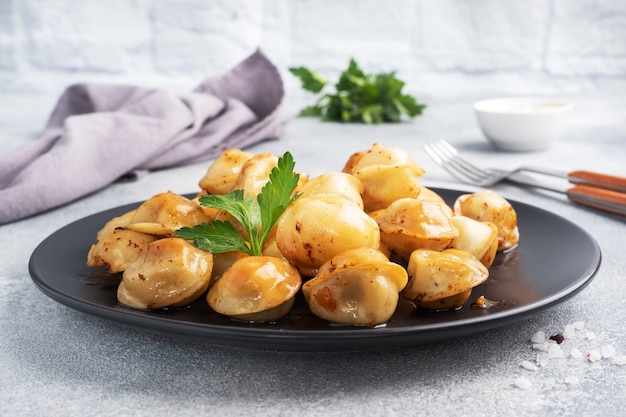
(215, 237)
(353, 77)
(257, 216)
(314, 110)
(359, 97)
(410, 105)
(235, 203)
(311, 80)
(277, 194)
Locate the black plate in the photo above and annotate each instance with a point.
(554, 260)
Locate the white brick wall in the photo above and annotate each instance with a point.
(442, 48)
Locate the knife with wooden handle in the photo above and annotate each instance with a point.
(604, 199)
(582, 177)
(595, 179)
(599, 198)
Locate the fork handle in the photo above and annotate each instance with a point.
(602, 199)
(595, 179)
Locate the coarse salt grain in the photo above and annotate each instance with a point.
(608, 351)
(523, 383)
(529, 365)
(571, 380)
(555, 351)
(620, 360)
(549, 349)
(569, 331)
(544, 346)
(539, 337)
(594, 355)
(575, 353)
(543, 358)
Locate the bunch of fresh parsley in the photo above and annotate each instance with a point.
(359, 97)
(258, 216)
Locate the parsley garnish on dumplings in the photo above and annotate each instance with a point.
(257, 216)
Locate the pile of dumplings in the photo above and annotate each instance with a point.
(355, 242)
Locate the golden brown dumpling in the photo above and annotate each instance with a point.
(488, 206)
(255, 173)
(409, 224)
(115, 223)
(255, 288)
(164, 213)
(354, 159)
(210, 212)
(478, 238)
(314, 229)
(387, 174)
(356, 287)
(426, 194)
(339, 183)
(118, 249)
(221, 176)
(436, 275)
(452, 302)
(171, 273)
(270, 247)
(224, 260)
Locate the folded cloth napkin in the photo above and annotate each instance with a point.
(99, 133)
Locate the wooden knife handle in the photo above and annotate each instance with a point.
(595, 179)
(602, 199)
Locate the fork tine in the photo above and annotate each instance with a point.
(463, 164)
(448, 157)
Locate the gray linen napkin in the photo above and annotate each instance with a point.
(99, 133)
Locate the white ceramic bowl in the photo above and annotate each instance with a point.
(522, 123)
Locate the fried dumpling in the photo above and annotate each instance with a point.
(335, 183)
(255, 173)
(489, 206)
(221, 176)
(357, 287)
(387, 174)
(478, 238)
(171, 273)
(314, 229)
(255, 288)
(452, 302)
(409, 224)
(426, 194)
(435, 275)
(164, 213)
(115, 223)
(118, 249)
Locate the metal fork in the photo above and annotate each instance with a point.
(601, 191)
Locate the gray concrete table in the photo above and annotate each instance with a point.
(55, 361)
